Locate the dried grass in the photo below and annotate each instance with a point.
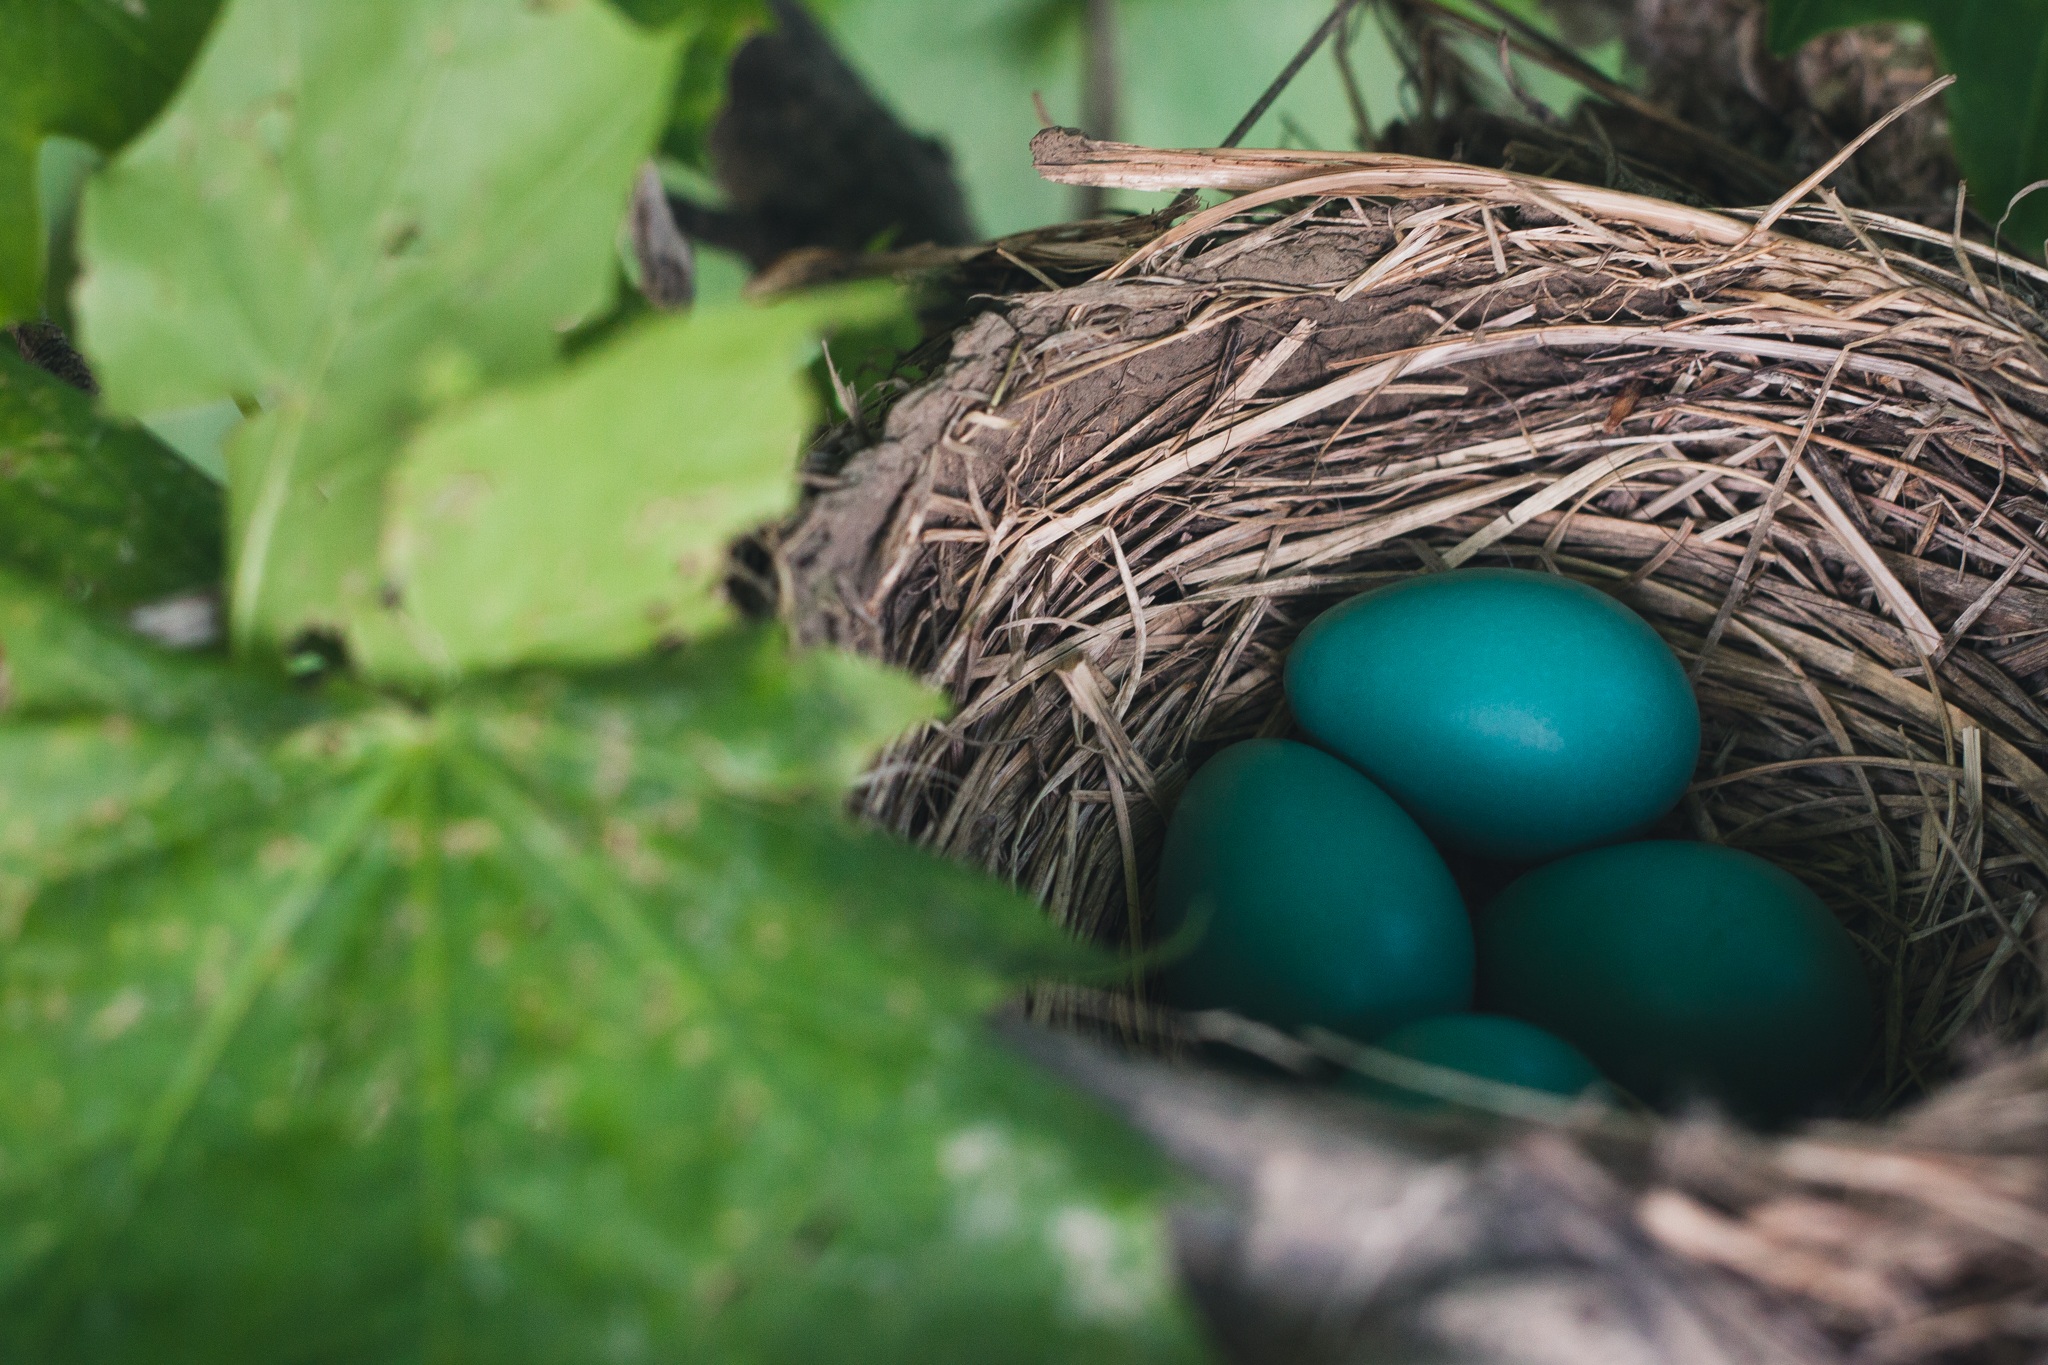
(1815, 467)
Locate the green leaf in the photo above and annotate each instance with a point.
(104, 511)
(1998, 107)
(564, 1021)
(738, 706)
(637, 465)
(350, 213)
(55, 658)
(58, 660)
(126, 750)
(96, 70)
(62, 167)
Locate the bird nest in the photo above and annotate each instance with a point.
(1806, 444)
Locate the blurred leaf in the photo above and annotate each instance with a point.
(58, 660)
(1998, 107)
(740, 706)
(130, 749)
(565, 1021)
(199, 434)
(639, 464)
(352, 212)
(62, 165)
(96, 70)
(103, 511)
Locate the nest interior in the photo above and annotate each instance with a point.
(1812, 461)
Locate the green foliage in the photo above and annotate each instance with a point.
(535, 1015)
(681, 434)
(61, 169)
(103, 510)
(96, 70)
(351, 213)
(1998, 107)
(563, 1020)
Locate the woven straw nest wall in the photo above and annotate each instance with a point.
(1809, 449)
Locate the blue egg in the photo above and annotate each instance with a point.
(1515, 715)
(1309, 897)
(1684, 969)
(1489, 1046)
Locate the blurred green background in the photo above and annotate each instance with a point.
(1188, 70)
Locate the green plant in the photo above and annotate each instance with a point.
(1998, 107)
(469, 962)
(95, 70)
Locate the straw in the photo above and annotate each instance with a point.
(1810, 461)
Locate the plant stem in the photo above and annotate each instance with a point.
(1289, 72)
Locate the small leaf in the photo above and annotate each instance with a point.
(96, 70)
(1998, 107)
(344, 206)
(587, 515)
(105, 512)
(565, 1020)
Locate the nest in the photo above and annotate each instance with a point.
(1806, 445)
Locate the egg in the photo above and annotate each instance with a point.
(1304, 895)
(1683, 969)
(1515, 715)
(1489, 1046)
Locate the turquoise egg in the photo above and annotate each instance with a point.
(1308, 897)
(1489, 1046)
(1515, 715)
(1684, 969)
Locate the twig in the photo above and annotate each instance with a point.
(1354, 93)
(1540, 48)
(668, 266)
(1289, 72)
(1854, 145)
